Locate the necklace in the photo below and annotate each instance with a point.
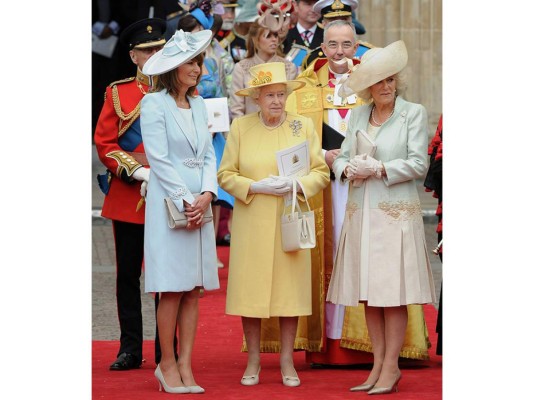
(281, 121)
(374, 120)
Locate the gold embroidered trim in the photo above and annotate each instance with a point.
(125, 119)
(351, 208)
(401, 210)
(319, 221)
(125, 162)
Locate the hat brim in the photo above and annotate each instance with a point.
(159, 63)
(377, 64)
(291, 86)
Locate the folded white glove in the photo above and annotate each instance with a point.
(144, 187)
(366, 166)
(287, 181)
(141, 174)
(270, 186)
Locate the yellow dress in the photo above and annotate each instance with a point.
(264, 281)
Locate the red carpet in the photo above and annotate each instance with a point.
(219, 364)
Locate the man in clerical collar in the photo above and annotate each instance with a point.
(332, 10)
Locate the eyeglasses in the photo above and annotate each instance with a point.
(335, 45)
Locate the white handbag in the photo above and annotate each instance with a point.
(178, 220)
(298, 227)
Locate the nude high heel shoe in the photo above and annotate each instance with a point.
(250, 380)
(393, 388)
(196, 389)
(362, 388)
(177, 389)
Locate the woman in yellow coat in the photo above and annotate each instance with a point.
(264, 281)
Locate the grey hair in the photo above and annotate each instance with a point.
(338, 23)
(401, 86)
(254, 92)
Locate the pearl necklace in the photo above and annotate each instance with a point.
(282, 120)
(374, 120)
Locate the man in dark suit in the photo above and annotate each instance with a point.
(307, 32)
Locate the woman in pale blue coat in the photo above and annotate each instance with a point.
(382, 258)
(178, 262)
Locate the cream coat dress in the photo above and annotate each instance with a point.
(265, 281)
(394, 268)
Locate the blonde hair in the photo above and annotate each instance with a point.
(401, 87)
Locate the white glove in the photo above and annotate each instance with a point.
(144, 187)
(350, 172)
(366, 166)
(141, 174)
(270, 186)
(287, 181)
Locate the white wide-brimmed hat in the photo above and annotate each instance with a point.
(180, 48)
(376, 64)
(269, 74)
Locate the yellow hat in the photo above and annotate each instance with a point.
(269, 74)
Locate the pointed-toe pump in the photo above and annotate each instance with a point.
(169, 389)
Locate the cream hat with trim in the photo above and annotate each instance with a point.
(376, 64)
(180, 48)
(269, 74)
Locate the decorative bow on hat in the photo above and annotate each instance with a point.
(180, 42)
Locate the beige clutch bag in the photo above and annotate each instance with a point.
(364, 144)
(178, 220)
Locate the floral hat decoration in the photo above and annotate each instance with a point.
(179, 49)
(268, 74)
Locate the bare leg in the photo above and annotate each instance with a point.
(216, 220)
(187, 322)
(287, 327)
(395, 326)
(376, 330)
(252, 335)
(230, 216)
(167, 314)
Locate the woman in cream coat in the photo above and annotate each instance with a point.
(264, 281)
(382, 258)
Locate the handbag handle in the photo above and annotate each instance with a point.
(294, 196)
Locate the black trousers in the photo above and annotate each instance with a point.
(129, 249)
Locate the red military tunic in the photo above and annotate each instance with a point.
(120, 148)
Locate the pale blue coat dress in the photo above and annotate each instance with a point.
(182, 162)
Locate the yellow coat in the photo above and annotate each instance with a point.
(265, 281)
